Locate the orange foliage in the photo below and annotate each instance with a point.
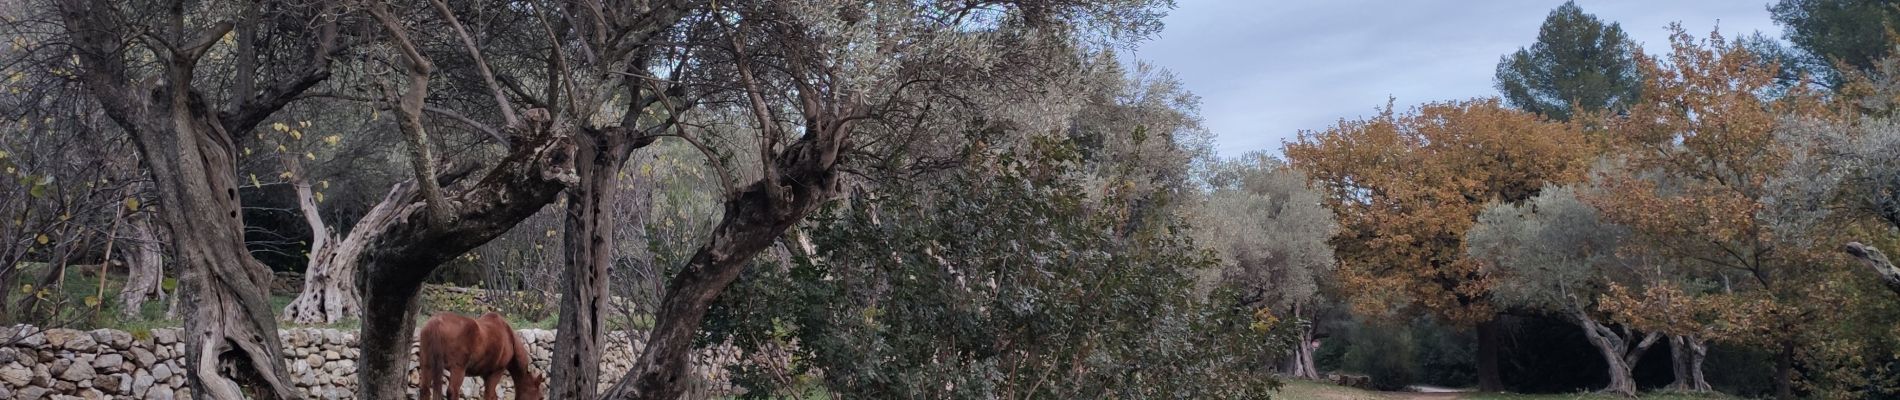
(1698, 156)
(1407, 187)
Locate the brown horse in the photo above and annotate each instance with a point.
(484, 347)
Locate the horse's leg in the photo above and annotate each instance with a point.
(488, 387)
(455, 383)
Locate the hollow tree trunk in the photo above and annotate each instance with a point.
(401, 254)
(1619, 353)
(330, 291)
(1488, 378)
(589, 242)
(228, 318)
(145, 267)
(230, 337)
(1686, 355)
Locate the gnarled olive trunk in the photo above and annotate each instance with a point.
(1300, 360)
(1619, 353)
(754, 219)
(230, 336)
(330, 291)
(589, 242)
(1687, 353)
(401, 254)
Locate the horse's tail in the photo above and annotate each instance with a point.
(428, 367)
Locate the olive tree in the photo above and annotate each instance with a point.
(1554, 254)
(1272, 234)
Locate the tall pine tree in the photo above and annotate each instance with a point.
(1577, 61)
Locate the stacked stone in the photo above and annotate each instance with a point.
(322, 362)
(100, 364)
(66, 364)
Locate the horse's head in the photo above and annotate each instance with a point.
(529, 387)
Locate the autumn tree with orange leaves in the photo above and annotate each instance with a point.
(1408, 186)
(1709, 175)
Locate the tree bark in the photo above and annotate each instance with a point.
(401, 254)
(1300, 361)
(1687, 353)
(145, 267)
(589, 242)
(1488, 378)
(1618, 352)
(230, 338)
(1784, 371)
(753, 220)
(330, 291)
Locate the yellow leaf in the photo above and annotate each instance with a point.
(43, 239)
(332, 139)
(247, 151)
(132, 203)
(305, 124)
(373, 114)
(318, 195)
(325, 183)
(284, 175)
(92, 301)
(27, 288)
(296, 134)
(281, 149)
(279, 126)
(254, 182)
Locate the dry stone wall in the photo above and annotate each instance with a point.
(63, 364)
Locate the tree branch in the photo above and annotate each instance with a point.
(409, 105)
(1883, 267)
(501, 100)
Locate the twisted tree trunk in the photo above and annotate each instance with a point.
(1300, 361)
(1687, 353)
(589, 242)
(330, 291)
(402, 253)
(1619, 353)
(754, 218)
(230, 336)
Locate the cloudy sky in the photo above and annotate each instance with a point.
(1266, 69)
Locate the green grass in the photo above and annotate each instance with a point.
(1310, 390)
(66, 305)
(1594, 396)
(1303, 390)
(68, 301)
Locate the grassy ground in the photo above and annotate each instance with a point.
(1309, 390)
